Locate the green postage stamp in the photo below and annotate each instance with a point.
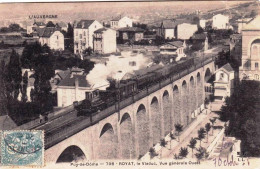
(22, 148)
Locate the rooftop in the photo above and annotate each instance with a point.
(131, 29)
(174, 43)
(70, 81)
(84, 23)
(45, 32)
(199, 36)
(172, 23)
(101, 30)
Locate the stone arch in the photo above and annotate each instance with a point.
(127, 137)
(176, 105)
(156, 120)
(253, 42)
(184, 102)
(167, 108)
(200, 89)
(108, 143)
(207, 75)
(192, 95)
(142, 129)
(70, 154)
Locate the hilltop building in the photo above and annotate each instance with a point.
(220, 21)
(119, 22)
(186, 30)
(35, 25)
(104, 41)
(241, 23)
(83, 35)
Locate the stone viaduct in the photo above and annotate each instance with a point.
(131, 131)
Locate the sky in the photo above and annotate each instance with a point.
(10, 9)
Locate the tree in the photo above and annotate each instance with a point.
(3, 92)
(178, 128)
(29, 53)
(50, 24)
(43, 73)
(192, 144)
(14, 27)
(183, 152)
(201, 134)
(213, 120)
(24, 87)
(13, 75)
(162, 144)
(172, 138)
(200, 154)
(207, 127)
(253, 14)
(152, 152)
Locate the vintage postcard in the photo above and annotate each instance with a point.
(133, 84)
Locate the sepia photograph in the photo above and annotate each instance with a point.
(133, 84)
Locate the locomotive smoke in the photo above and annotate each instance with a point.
(101, 72)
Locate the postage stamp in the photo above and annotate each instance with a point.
(22, 148)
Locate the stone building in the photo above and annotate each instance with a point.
(250, 60)
(83, 34)
(186, 30)
(220, 21)
(224, 82)
(50, 36)
(104, 41)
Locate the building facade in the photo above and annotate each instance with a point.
(186, 30)
(250, 61)
(167, 29)
(104, 41)
(224, 82)
(83, 35)
(121, 22)
(220, 21)
(50, 36)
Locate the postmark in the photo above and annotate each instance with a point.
(22, 148)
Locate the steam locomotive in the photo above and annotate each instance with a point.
(98, 100)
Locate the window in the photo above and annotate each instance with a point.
(256, 65)
(256, 77)
(57, 37)
(80, 36)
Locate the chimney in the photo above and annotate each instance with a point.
(83, 23)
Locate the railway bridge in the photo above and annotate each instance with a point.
(129, 128)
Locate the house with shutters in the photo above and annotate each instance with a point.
(83, 35)
(104, 41)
